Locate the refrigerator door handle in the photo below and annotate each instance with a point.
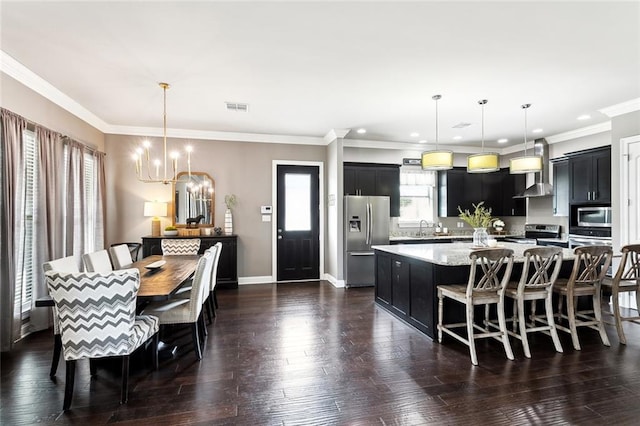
(362, 253)
(369, 223)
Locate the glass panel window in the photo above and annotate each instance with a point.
(297, 193)
(417, 201)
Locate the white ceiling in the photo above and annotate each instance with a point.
(308, 67)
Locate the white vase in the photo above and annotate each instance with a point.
(228, 222)
(480, 237)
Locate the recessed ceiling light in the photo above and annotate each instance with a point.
(584, 117)
(362, 131)
(457, 138)
(422, 141)
(503, 140)
(536, 131)
(414, 134)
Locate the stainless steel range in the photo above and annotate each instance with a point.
(533, 232)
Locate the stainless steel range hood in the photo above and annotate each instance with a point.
(542, 187)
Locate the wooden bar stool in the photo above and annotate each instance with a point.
(486, 290)
(626, 279)
(539, 273)
(589, 268)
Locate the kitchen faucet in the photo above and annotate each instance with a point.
(420, 234)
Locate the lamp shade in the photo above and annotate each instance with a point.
(483, 163)
(530, 164)
(155, 209)
(437, 160)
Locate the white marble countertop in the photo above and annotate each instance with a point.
(455, 254)
(446, 237)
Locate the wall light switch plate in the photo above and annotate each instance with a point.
(265, 209)
(266, 218)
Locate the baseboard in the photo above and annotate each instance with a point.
(336, 283)
(265, 279)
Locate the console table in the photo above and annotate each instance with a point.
(227, 266)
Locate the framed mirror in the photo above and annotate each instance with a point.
(194, 199)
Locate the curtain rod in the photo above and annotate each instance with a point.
(31, 125)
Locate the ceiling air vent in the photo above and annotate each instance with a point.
(461, 125)
(237, 107)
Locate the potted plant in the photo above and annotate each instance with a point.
(171, 231)
(479, 220)
(230, 201)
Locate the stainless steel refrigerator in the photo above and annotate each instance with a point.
(366, 221)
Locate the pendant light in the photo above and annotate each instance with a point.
(142, 157)
(437, 159)
(526, 164)
(484, 162)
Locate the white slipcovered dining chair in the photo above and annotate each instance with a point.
(212, 299)
(120, 256)
(97, 261)
(187, 311)
(485, 289)
(65, 264)
(97, 314)
(176, 247)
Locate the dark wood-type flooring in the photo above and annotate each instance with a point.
(306, 354)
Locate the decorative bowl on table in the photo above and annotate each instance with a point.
(155, 265)
(171, 233)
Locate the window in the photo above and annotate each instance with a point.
(24, 273)
(297, 201)
(417, 189)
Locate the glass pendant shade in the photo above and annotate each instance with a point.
(530, 164)
(437, 160)
(485, 162)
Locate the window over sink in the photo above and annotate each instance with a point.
(417, 196)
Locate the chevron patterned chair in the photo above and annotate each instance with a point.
(187, 246)
(97, 261)
(97, 315)
(65, 264)
(120, 256)
(187, 311)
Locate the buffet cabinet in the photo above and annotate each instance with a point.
(227, 265)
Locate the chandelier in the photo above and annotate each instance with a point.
(142, 156)
(484, 162)
(437, 159)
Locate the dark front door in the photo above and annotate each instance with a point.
(298, 223)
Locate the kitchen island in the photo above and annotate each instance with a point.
(407, 277)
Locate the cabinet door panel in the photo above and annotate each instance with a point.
(388, 183)
(349, 177)
(366, 181)
(383, 277)
(492, 191)
(561, 188)
(601, 178)
(580, 177)
(422, 294)
(400, 285)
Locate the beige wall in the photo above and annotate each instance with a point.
(240, 168)
(25, 102)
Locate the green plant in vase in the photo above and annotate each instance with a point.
(480, 220)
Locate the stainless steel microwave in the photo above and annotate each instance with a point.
(594, 216)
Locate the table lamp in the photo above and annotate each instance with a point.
(155, 209)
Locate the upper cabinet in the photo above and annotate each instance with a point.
(561, 187)
(374, 179)
(590, 176)
(456, 188)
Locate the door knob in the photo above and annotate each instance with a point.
(279, 237)
(279, 231)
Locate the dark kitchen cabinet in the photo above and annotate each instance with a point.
(590, 176)
(227, 265)
(561, 187)
(456, 188)
(400, 285)
(374, 179)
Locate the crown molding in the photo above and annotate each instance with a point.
(214, 135)
(17, 71)
(334, 134)
(621, 108)
(579, 133)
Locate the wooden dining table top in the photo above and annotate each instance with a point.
(156, 284)
(161, 283)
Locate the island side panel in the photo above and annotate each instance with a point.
(406, 288)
